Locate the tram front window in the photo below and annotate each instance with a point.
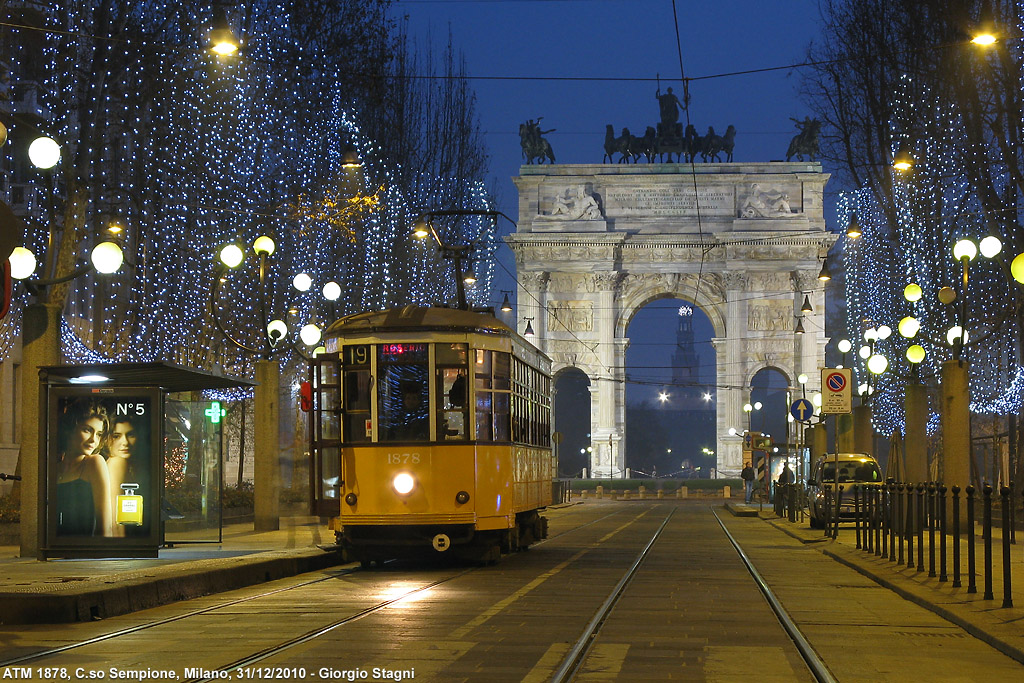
(404, 406)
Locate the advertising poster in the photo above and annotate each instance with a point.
(103, 466)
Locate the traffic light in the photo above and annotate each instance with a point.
(306, 397)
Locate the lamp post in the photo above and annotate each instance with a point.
(423, 227)
(272, 341)
(40, 335)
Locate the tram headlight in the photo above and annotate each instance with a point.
(403, 483)
(461, 497)
(350, 498)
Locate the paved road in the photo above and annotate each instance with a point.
(691, 612)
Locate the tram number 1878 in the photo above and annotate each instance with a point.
(403, 458)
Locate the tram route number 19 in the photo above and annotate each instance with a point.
(403, 458)
(358, 354)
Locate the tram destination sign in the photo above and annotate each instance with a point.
(836, 391)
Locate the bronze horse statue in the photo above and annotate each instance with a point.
(533, 144)
(806, 141)
(616, 145)
(712, 145)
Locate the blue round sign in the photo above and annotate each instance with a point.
(802, 410)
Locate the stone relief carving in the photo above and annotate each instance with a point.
(572, 282)
(773, 252)
(734, 280)
(769, 282)
(570, 316)
(804, 280)
(574, 204)
(571, 353)
(764, 203)
(566, 252)
(710, 284)
(762, 346)
(770, 315)
(533, 280)
(661, 254)
(607, 280)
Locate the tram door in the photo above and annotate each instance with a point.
(325, 434)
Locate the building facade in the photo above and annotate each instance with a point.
(743, 242)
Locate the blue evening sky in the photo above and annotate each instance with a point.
(603, 57)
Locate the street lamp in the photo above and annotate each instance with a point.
(423, 227)
(106, 256)
(222, 40)
(40, 329)
(272, 334)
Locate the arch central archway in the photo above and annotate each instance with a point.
(744, 242)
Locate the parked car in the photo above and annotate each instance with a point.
(838, 469)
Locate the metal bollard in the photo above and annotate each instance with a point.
(828, 511)
(857, 504)
(793, 495)
(876, 495)
(1004, 494)
(986, 530)
(931, 530)
(942, 535)
(839, 505)
(900, 520)
(956, 537)
(920, 521)
(910, 517)
(890, 520)
(972, 582)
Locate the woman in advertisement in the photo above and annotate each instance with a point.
(121, 465)
(83, 482)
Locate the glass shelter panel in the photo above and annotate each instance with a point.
(193, 457)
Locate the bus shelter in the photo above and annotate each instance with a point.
(131, 458)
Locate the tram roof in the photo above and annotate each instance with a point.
(407, 318)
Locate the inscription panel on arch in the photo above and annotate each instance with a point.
(670, 200)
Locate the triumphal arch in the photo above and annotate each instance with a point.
(744, 242)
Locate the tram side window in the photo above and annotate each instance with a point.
(452, 400)
(493, 378)
(502, 382)
(403, 408)
(355, 365)
(482, 384)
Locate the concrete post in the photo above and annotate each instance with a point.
(267, 468)
(844, 433)
(916, 442)
(863, 430)
(40, 346)
(956, 425)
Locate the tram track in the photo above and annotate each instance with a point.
(302, 638)
(574, 661)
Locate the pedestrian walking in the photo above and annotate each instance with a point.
(747, 475)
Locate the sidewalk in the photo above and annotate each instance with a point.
(988, 620)
(59, 591)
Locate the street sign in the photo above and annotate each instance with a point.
(836, 391)
(802, 410)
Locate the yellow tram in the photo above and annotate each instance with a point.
(431, 431)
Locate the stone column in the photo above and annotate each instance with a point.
(40, 346)
(267, 451)
(915, 444)
(863, 430)
(956, 425)
(844, 433)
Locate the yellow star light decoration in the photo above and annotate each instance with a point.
(335, 208)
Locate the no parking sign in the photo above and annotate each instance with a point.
(836, 391)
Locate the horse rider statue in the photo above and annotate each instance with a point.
(533, 143)
(806, 141)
